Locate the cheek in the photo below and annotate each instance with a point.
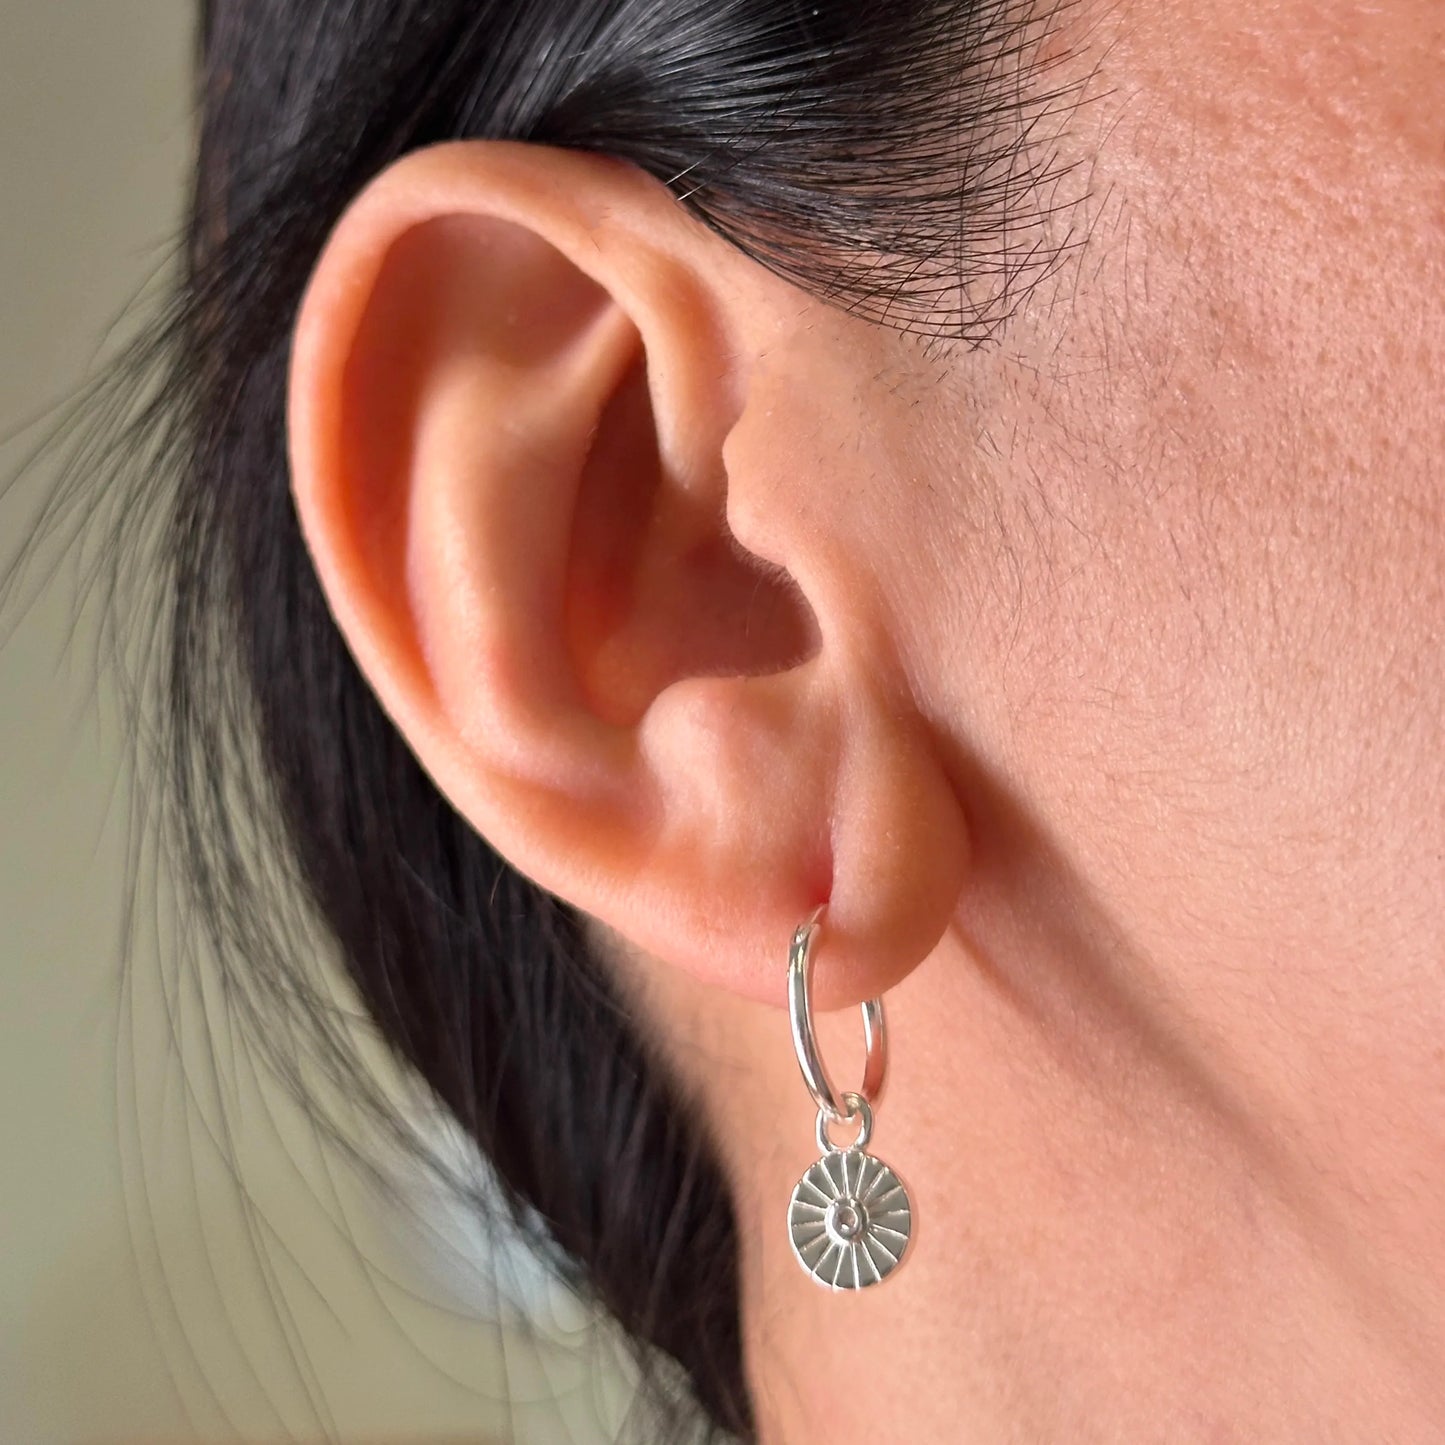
(1215, 523)
(1263, 295)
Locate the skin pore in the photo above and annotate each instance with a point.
(1093, 675)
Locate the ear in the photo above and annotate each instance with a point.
(518, 386)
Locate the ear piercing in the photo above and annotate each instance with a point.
(849, 1218)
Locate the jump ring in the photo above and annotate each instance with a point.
(859, 1109)
(805, 1043)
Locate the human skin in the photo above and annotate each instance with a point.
(1093, 675)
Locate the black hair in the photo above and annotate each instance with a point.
(893, 156)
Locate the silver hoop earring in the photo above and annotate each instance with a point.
(850, 1218)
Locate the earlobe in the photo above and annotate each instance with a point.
(514, 379)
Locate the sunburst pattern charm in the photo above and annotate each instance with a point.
(849, 1220)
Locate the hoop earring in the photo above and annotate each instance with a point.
(849, 1218)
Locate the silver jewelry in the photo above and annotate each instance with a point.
(849, 1219)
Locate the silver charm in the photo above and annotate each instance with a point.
(849, 1218)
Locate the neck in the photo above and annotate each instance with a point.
(1142, 1211)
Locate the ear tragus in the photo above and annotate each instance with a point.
(657, 587)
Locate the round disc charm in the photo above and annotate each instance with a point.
(849, 1220)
